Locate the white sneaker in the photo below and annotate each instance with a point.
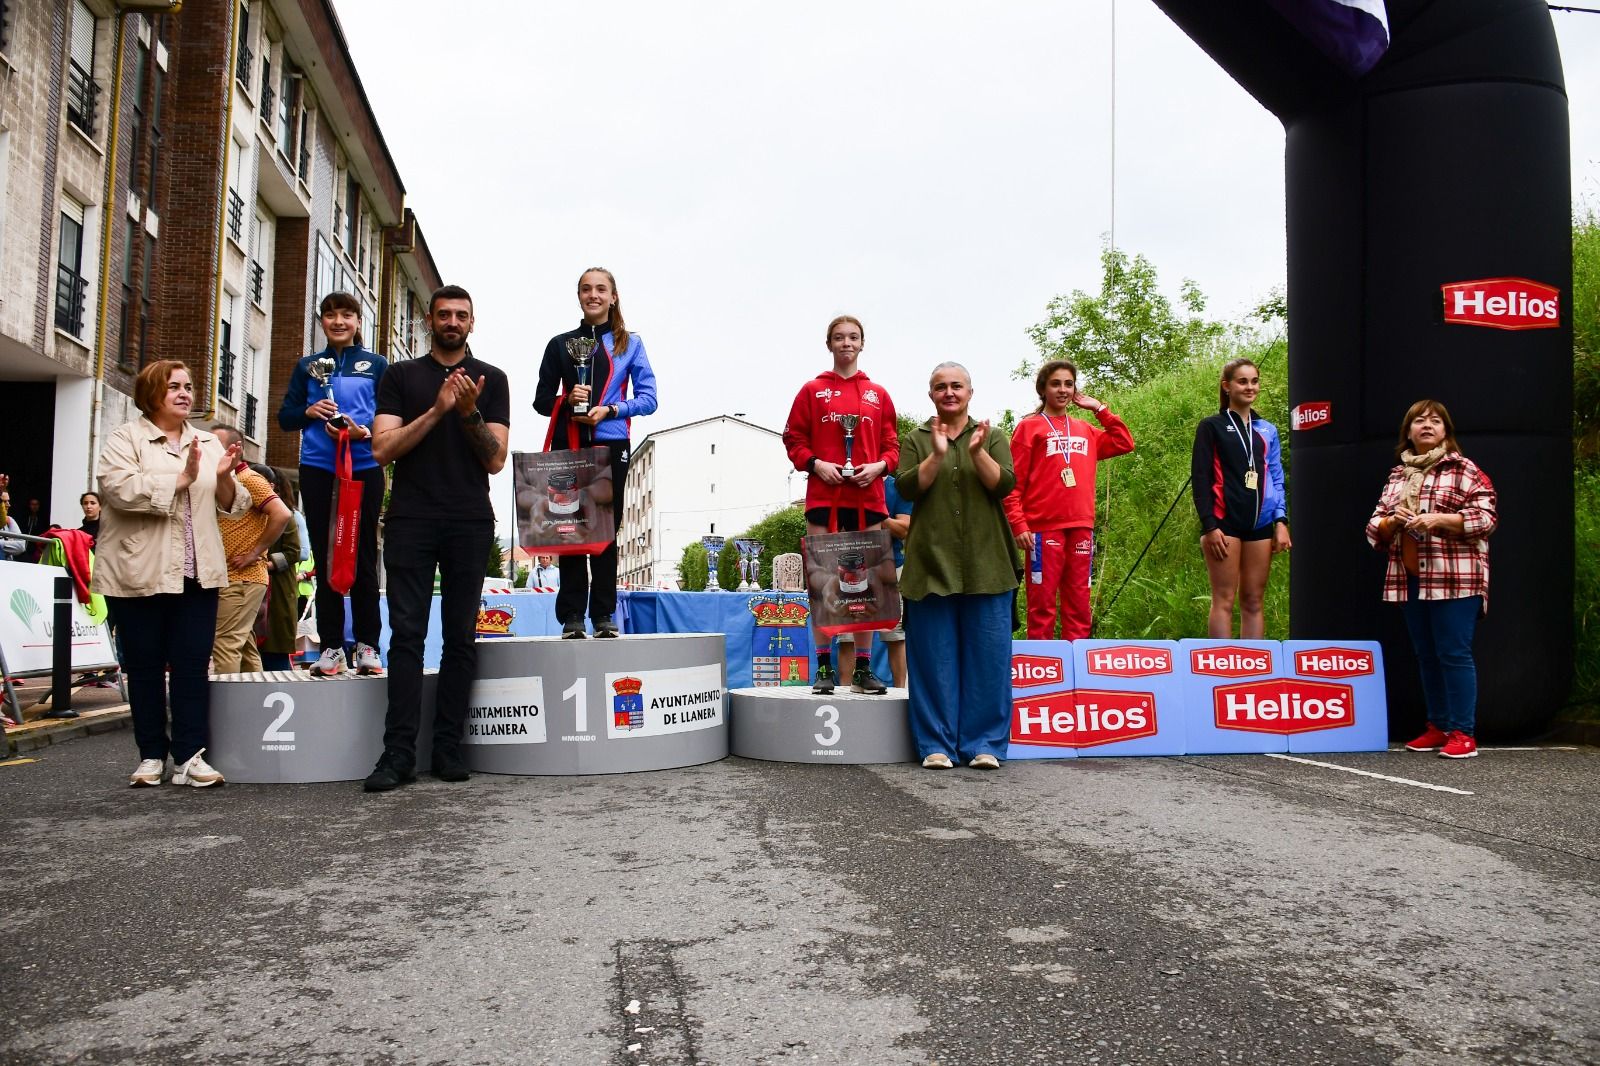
(984, 762)
(150, 772)
(937, 761)
(197, 772)
(330, 665)
(367, 663)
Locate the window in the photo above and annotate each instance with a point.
(327, 276)
(81, 87)
(352, 214)
(304, 169)
(225, 356)
(267, 95)
(71, 286)
(288, 110)
(245, 65)
(235, 201)
(125, 346)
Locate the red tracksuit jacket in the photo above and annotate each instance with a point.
(813, 431)
(1041, 500)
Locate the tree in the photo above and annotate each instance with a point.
(496, 564)
(779, 534)
(1127, 332)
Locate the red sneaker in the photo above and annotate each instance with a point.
(1432, 739)
(1459, 746)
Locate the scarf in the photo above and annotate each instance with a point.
(1417, 467)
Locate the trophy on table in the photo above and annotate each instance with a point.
(849, 422)
(581, 349)
(713, 546)
(749, 564)
(322, 369)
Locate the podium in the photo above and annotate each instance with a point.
(791, 724)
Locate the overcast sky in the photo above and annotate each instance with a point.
(749, 171)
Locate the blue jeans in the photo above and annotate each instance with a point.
(156, 634)
(958, 668)
(412, 548)
(1441, 633)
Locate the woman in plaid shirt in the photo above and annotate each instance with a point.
(1434, 519)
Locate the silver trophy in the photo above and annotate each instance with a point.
(581, 349)
(749, 564)
(322, 369)
(713, 546)
(849, 422)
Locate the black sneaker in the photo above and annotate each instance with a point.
(573, 630)
(447, 766)
(388, 775)
(826, 680)
(606, 628)
(864, 681)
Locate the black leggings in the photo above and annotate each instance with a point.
(591, 580)
(316, 495)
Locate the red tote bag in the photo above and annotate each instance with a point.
(344, 521)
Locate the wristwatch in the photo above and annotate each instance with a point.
(474, 419)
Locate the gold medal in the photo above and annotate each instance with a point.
(1250, 480)
(1068, 478)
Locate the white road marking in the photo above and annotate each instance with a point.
(1369, 773)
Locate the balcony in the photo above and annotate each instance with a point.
(71, 290)
(305, 159)
(82, 93)
(268, 99)
(226, 362)
(235, 216)
(258, 281)
(249, 421)
(245, 66)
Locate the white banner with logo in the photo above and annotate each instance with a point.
(27, 623)
(653, 703)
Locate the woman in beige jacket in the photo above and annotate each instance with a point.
(159, 563)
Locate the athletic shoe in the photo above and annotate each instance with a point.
(1432, 739)
(984, 762)
(389, 774)
(1459, 746)
(937, 761)
(864, 681)
(196, 772)
(606, 627)
(150, 772)
(331, 664)
(366, 661)
(826, 681)
(573, 630)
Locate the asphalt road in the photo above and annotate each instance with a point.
(1240, 909)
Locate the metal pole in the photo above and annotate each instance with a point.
(61, 653)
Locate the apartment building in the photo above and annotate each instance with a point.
(716, 476)
(183, 184)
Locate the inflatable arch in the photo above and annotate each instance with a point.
(1444, 161)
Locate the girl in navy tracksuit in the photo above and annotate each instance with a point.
(1238, 495)
(619, 362)
(306, 409)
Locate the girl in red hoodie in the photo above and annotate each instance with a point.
(1052, 508)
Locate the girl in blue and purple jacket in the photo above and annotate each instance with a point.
(619, 366)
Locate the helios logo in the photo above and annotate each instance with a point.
(1230, 662)
(1030, 670)
(1085, 718)
(1129, 661)
(1334, 662)
(1283, 705)
(1313, 414)
(1502, 303)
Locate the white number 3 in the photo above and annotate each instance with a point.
(830, 725)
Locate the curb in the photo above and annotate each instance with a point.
(41, 733)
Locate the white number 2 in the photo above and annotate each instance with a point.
(275, 735)
(830, 725)
(579, 694)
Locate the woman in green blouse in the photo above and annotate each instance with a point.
(960, 580)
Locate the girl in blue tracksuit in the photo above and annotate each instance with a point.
(306, 408)
(1238, 496)
(619, 366)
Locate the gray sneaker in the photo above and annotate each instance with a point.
(330, 665)
(367, 663)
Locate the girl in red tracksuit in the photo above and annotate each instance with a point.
(1051, 510)
(815, 441)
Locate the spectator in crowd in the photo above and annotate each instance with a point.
(1238, 495)
(443, 420)
(1433, 519)
(546, 574)
(247, 539)
(283, 610)
(619, 364)
(10, 548)
(898, 523)
(354, 374)
(90, 502)
(815, 439)
(160, 566)
(1052, 508)
(33, 523)
(960, 580)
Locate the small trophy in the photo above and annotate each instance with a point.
(713, 546)
(581, 349)
(749, 564)
(849, 422)
(322, 369)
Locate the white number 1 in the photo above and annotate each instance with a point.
(830, 724)
(579, 694)
(275, 735)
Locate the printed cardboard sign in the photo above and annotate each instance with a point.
(564, 501)
(653, 703)
(852, 581)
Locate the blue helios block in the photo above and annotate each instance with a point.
(1341, 696)
(1231, 695)
(1129, 698)
(1041, 692)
